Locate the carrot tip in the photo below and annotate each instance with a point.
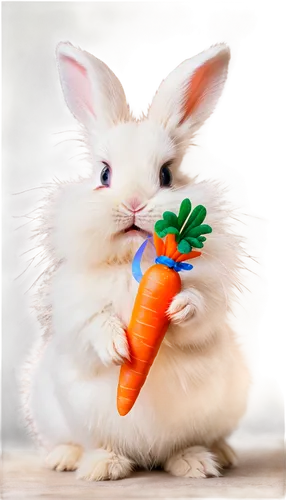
(123, 411)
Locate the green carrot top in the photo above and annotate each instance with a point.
(188, 226)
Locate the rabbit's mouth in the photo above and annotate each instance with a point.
(133, 230)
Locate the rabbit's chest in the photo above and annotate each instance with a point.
(124, 293)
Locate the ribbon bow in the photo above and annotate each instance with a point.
(172, 264)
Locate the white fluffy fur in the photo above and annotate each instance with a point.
(196, 391)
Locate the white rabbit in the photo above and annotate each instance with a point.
(196, 391)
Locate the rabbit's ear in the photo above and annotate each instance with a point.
(91, 90)
(188, 96)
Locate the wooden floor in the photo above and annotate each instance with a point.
(260, 474)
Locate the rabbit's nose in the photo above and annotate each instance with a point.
(134, 204)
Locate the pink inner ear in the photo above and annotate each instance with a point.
(78, 87)
(203, 78)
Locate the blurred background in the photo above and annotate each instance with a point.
(31, 110)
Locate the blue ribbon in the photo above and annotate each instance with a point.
(172, 264)
(136, 264)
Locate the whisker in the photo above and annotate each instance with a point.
(40, 254)
(27, 251)
(74, 139)
(66, 132)
(45, 270)
(28, 213)
(77, 155)
(26, 224)
(81, 157)
(32, 189)
(25, 216)
(175, 188)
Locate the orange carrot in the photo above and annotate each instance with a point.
(180, 257)
(146, 331)
(175, 254)
(171, 245)
(149, 321)
(187, 256)
(158, 286)
(159, 245)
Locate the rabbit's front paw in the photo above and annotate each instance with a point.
(114, 346)
(185, 306)
(64, 457)
(99, 465)
(196, 462)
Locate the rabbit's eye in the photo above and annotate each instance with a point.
(166, 175)
(105, 176)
